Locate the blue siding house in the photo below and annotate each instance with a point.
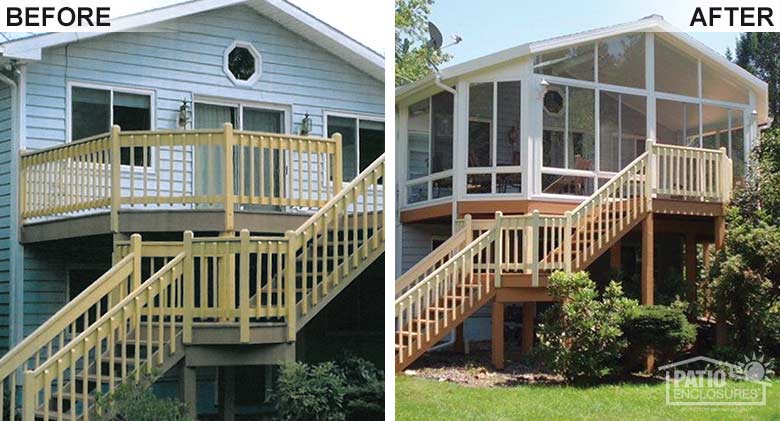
(171, 94)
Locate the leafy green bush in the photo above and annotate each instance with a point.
(745, 275)
(580, 335)
(663, 329)
(365, 389)
(136, 402)
(310, 392)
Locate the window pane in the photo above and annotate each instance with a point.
(417, 193)
(622, 60)
(418, 133)
(715, 86)
(442, 188)
(675, 71)
(581, 128)
(509, 183)
(715, 126)
(441, 151)
(622, 130)
(132, 112)
(479, 183)
(677, 123)
(260, 120)
(480, 125)
(738, 145)
(90, 112)
(575, 62)
(567, 184)
(508, 125)
(553, 147)
(372, 142)
(348, 129)
(209, 116)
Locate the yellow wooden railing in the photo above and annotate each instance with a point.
(535, 243)
(192, 281)
(180, 169)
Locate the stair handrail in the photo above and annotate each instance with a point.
(66, 357)
(421, 269)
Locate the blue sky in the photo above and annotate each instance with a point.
(491, 25)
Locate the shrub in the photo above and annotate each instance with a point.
(580, 335)
(136, 402)
(663, 329)
(310, 392)
(365, 389)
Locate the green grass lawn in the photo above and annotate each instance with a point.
(422, 399)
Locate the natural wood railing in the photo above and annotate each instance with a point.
(180, 169)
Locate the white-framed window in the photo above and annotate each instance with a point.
(430, 136)
(92, 109)
(242, 63)
(362, 139)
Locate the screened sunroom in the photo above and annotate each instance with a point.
(556, 119)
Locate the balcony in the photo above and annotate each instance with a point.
(208, 180)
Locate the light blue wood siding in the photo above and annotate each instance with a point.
(178, 60)
(5, 212)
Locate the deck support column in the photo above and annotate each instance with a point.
(615, 256)
(460, 342)
(226, 378)
(188, 389)
(720, 238)
(648, 239)
(497, 345)
(691, 274)
(527, 337)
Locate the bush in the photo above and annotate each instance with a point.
(580, 335)
(310, 392)
(663, 329)
(136, 402)
(365, 389)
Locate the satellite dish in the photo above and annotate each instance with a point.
(436, 40)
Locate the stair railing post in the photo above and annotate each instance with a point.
(567, 242)
(650, 175)
(498, 252)
(243, 287)
(116, 179)
(535, 248)
(189, 287)
(29, 396)
(229, 199)
(135, 245)
(338, 171)
(290, 284)
(469, 229)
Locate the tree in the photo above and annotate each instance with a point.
(414, 59)
(746, 273)
(759, 54)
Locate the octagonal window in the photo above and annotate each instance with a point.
(242, 63)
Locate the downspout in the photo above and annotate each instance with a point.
(437, 81)
(16, 252)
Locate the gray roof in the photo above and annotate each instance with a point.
(13, 36)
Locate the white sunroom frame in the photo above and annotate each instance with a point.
(532, 122)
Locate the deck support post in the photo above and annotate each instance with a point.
(188, 388)
(460, 342)
(497, 344)
(615, 256)
(720, 239)
(227, 393)
(691, 274)
(527, 337)
(647, 260)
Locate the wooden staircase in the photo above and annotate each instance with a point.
(121, 328)
(460, 276)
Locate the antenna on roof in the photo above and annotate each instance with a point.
(436, 41)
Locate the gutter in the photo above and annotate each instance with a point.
(16, 252)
